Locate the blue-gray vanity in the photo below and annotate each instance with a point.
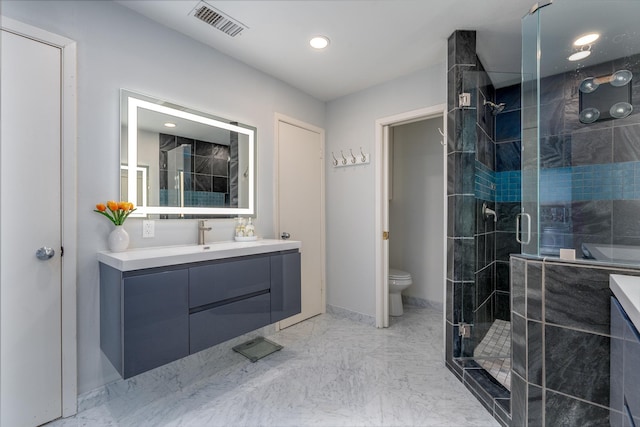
(161, 304)
(625, 350)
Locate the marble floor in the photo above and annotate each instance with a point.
(332, 371)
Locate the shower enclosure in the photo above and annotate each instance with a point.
(555, 153)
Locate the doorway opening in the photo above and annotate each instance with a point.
(420, 237)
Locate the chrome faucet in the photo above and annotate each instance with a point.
(201, 230)
(486, 213)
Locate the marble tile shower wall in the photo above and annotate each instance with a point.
(487, 301)
(507, 178)
(460, 200)
(508, 183)
(561, 354)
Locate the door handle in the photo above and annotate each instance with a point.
(285, 235)
(45, 253)
(518, 239)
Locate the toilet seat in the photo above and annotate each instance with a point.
(399, 277)
(398, 274)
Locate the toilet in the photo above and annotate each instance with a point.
(398, 281)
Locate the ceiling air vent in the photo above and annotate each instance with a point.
(218, 20)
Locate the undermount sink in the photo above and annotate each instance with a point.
(136, 259)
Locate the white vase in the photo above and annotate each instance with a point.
(118, 239)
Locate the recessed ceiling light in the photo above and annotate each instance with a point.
(579, 55)
(170, 125)
(586, 39)
(319, 42)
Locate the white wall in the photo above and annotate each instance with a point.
(416, 210)
(350, 190)
(118, 48)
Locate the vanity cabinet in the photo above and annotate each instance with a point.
(234, 296)
(285, 286)
(625, 372)
(153, 316)
(222, 281)
(144, 318)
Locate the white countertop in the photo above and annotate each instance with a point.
(627, 290)
(137, 259)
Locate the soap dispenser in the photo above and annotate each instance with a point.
(239, 232)
(249, 229)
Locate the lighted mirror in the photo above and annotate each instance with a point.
(176, 162)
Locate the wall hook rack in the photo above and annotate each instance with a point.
(443, 142)
(353, 158)
(350, 159)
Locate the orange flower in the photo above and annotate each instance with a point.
(118, 212)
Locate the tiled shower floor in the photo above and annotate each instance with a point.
(493, 353)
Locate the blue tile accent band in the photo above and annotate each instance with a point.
(509, 186)
(196, 198)
(485, 183)
(612, 181)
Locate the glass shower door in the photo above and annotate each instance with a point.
(485, 310)
(527, 224)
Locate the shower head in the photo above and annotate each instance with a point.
(495, 108)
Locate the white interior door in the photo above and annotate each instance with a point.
(301, 207)
(30, 218)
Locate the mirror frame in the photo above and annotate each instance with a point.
(130, 102)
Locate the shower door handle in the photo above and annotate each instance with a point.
(518, 239)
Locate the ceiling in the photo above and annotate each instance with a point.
(372, 41)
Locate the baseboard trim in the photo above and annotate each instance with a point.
(352, 315)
